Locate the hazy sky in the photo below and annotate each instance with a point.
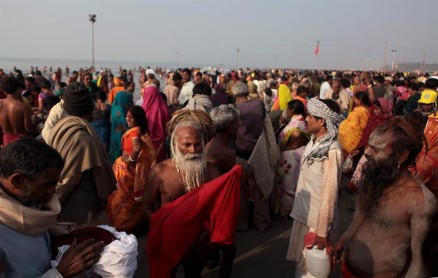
(280, 33)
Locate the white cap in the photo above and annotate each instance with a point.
(150, 71)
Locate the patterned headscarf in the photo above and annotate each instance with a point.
(332, 119)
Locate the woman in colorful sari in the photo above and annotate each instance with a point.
(284, 96)
(427, 160)
(382, 111)
(358, 85)
(118, 123)
(131, 171)
(101, 118)
(157, 116)
(292, 140)
(351, 129)
(46, 91)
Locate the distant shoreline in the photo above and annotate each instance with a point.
(24, 64)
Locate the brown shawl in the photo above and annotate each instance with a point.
(80, 147)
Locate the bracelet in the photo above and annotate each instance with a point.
(132, 160)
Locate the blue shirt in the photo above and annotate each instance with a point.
(24, 256)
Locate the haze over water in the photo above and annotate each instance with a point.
(281, 33)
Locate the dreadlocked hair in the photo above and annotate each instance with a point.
(409, 131)
(407, 134)
(199, 116)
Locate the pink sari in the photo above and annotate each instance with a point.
(157, 116)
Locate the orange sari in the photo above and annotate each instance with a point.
(427, 161)
(124, 204)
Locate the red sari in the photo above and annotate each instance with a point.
(124, 204)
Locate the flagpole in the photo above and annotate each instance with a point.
(317, 62)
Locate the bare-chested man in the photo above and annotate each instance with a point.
(219, 152)
(393, 208)
(73, 78)
(223, 156)
(15, 115)
(184, 172)
(174, 177)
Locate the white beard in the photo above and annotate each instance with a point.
(191, 167)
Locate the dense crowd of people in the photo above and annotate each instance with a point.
(213, 152)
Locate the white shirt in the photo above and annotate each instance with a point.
(186, 92)
(139, 102)
(274, 93)
(317, 189)
(325, 86)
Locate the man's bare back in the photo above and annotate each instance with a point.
(222, 156)
(15, 116)
(381, 244)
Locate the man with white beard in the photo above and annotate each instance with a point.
(187, 170)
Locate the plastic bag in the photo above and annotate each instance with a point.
(347, 166)
(317, 262)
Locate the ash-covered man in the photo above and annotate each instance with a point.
(314, 211)
(393, 209)
(29, 172)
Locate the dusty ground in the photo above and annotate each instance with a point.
(261, 254)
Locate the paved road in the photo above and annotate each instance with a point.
(261, 254)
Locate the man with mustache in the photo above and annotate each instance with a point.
(392, 210)
(29, 172)
(187, 170)
(315, 211)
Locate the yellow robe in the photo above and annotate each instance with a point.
(351, 129)
(284, 96)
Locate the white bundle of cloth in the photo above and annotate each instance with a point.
(118, 259)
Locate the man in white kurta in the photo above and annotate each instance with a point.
(187, 88)
(314, 208)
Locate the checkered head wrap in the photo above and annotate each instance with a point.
(332, 119)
